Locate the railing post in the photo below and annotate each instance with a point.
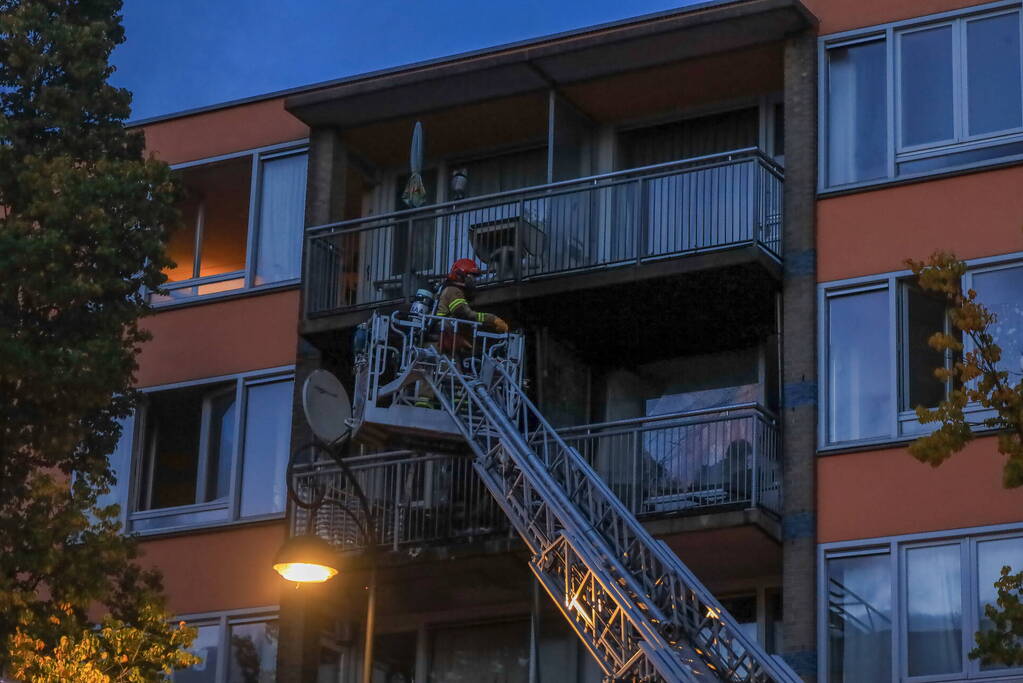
(517, 267)
(397, 507)
(638, 485)
(406, 287)
(642, 187)
(757, 227)
(758, 447)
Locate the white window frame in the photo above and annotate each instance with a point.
(961, 141)
(903, 424)
(223, 621)
(257, 157)
(232, 503)
(895, 548)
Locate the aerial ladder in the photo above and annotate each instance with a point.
(641, 613)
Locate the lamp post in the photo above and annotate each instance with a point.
(307, 558)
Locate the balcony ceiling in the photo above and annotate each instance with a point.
(572, 58)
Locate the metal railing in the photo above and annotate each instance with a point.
(708, 203)
(658, 466)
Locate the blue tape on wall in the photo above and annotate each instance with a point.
(799, 394)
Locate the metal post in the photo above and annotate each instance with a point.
(758, 446)
(371, 609)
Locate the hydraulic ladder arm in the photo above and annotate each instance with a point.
(638, 609)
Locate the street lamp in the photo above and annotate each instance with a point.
(307, 558)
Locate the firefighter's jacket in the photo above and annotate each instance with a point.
(454, 302)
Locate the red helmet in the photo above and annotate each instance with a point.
(461, 268)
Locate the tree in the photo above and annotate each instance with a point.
(987, 397)
(81, 233)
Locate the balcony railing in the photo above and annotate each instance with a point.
(658, 466)
(646, 214)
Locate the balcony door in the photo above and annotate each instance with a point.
(487, 231)
(694, 209)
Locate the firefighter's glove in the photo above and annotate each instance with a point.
(500, 326)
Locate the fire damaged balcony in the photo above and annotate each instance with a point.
(665, 469)
(642, 221)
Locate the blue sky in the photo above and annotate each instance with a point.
(182, 54)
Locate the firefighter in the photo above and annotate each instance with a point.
(457, 292)
(453, 302)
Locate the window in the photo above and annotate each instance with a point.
(876, 363)
(212, 452)
(907, 609)
(241, 224)
(234, 648)
(921, 96)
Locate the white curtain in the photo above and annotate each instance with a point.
(281, 219)
(857, 113)
(934, 610)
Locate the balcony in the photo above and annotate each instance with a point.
(642, 218)
(664, 467)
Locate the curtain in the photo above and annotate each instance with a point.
(266, 447)
(857, 113)
(859, 620)
(934, 610)
(281, 219)
(859, 372)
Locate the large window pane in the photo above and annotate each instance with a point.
(927, 81)
(999, 290)
(991, 557)
(225, 190)
(173, 427)
(857, 113)
(993, 74)
(281, 219)
(220, 444)
(253, 653)
(267, 437)
(120, 465)
(859, 366)
(205, 646)
(925, 315)
(859, 619)
(934, 610)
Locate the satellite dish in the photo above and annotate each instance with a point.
(326, 405)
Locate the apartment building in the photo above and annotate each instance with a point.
(698, 220)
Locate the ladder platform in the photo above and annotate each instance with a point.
(400, 427)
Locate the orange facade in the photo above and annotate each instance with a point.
(220, 569)
(973, 215)
(980, 214)
(229, 568)
(845, 15)
(224, 131)
(886, 493)
(220, 338)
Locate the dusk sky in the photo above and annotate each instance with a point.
(192, 53)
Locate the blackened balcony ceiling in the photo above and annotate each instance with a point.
(575, 57)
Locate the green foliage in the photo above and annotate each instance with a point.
(81, 233)
(1000, 645)
(976, 380)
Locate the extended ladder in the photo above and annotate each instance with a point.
(639, 610)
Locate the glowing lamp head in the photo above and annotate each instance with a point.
(306, 559)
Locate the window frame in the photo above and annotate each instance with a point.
(896, 547)
(257, 156)
(232, 503)
(903, 424)
(223, 621)
(961, 141)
